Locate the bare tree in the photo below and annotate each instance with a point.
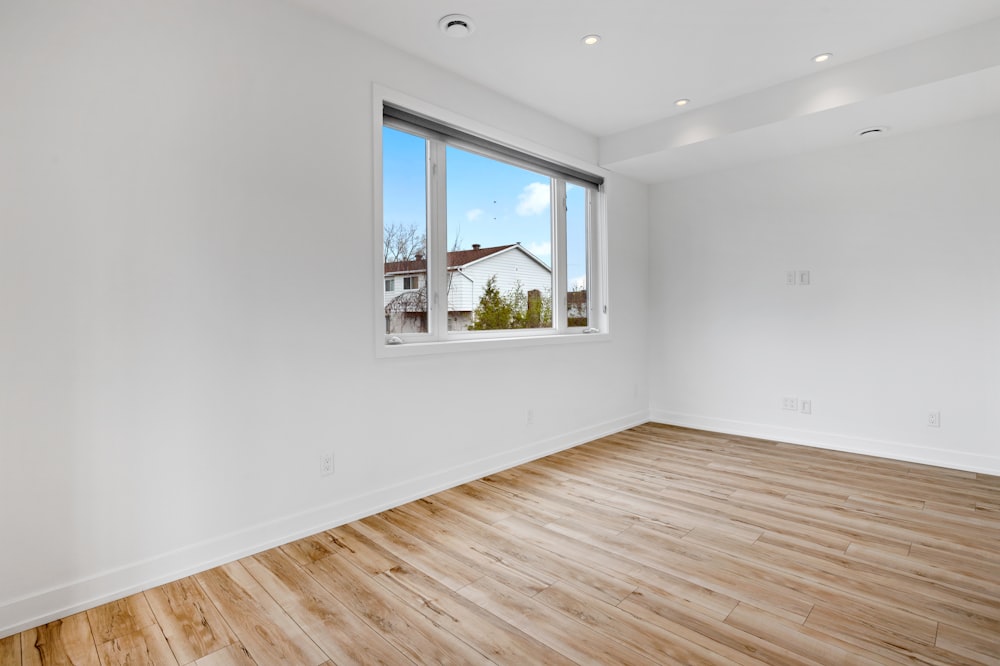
(457, 244)
(402, 243)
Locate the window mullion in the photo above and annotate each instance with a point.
(437, 239)
(559, 277)
(597, 296)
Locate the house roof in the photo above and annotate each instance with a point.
(456, 259)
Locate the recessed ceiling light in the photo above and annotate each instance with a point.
(682, 102)
(456, 25)
(822, 57)
(873, 131)
(590, 40)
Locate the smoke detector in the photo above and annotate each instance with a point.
(456, 25)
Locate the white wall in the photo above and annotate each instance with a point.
(185, 206)
(902, 238)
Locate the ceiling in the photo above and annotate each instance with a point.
(745, 65)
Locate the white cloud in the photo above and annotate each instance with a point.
(578, 283)
(474, 214)
(533, 199)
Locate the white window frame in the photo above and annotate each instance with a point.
(440, 339)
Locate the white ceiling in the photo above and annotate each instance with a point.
(745, 64)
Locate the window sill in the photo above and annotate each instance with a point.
(470, 344)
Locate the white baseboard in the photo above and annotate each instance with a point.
(825, 440)
(57, 602)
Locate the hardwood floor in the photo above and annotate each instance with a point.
(657, 545)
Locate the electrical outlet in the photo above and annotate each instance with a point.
(790, 278)
(326, 464)
(791, 404)
(806, 406)
(934, 419)
(804, 277)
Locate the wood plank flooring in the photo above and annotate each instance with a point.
(657, 545)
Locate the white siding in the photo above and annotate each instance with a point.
(466, 284)
(389, 295)
(460, 292)
(510, 267)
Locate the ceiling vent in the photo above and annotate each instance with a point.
(456, 25)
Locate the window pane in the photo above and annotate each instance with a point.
(404, 229)
(500, 245)
(576, 255)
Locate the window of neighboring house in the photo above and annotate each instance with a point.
(390, 285)
(509, 243)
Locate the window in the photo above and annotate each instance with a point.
(576, 256)
(390, 285)
(496, 242)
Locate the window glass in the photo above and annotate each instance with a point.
(473, 246)
(576, 255)
(499, 230)
(404, 229)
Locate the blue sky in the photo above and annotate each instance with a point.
(489, 202)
